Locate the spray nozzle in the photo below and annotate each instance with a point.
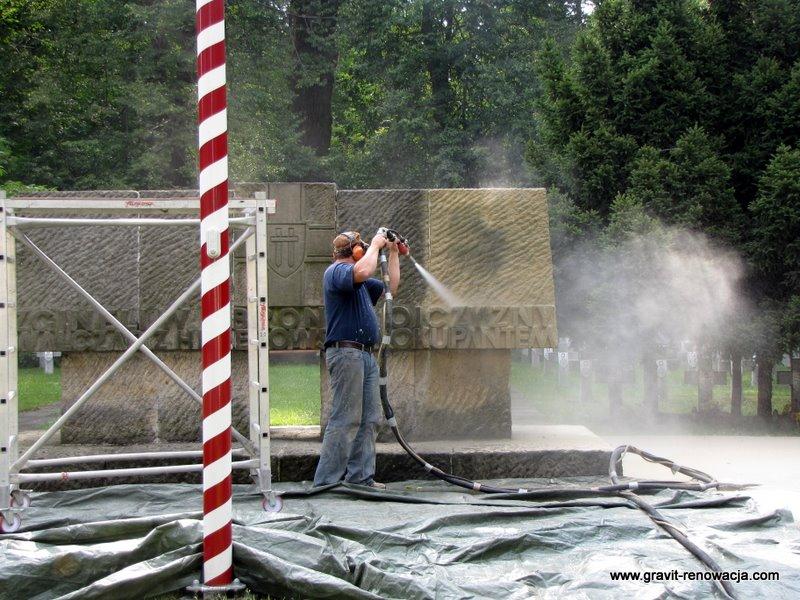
(393, 236)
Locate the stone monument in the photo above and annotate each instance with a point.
(450, 365)
(449, 369)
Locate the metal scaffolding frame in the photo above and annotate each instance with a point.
(251, 220)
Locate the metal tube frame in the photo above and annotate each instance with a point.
(126, 333)
(122, 457)
(257, 447)
(159, 470)
(51, 221)
(258, 348)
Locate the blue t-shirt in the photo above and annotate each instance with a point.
(349, 312)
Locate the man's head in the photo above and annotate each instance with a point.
(348, 245)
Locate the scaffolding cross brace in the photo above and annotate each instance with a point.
(251, 220)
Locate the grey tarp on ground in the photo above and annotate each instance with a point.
(418, 540)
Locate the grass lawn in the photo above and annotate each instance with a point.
(559, 402)
(38, 389)
(294, 393)
(295, 397)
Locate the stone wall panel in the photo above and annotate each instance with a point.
(450, 380)
(404, 210)
(121, 412)
(491, 247)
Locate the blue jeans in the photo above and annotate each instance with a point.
(348, 448)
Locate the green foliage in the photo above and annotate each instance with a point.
(765, 332)
(101, 93)
(790, 325)
(264, 140)
(688, 185)
(671, 77)
(568, 224)
(629, 220)
(670, 111)
(775, 240)
(639, 76)
(438, 92)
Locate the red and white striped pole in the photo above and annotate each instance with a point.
(215, 286)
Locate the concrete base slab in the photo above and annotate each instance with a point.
(533, 451)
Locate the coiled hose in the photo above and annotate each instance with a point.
(702, 481)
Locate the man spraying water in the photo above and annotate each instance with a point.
(353, 334)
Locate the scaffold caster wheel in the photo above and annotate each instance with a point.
(13, 525)
(20, 499)
(272, 503)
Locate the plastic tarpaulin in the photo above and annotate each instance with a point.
(415, 540)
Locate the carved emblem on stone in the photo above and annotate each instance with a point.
(287, 247)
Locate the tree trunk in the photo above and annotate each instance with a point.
(578, 4)
(435, 34)
(650, 384)
(585, 371)
(663, 396)
(764, 408)
(313, 25)
(736, 384)
(795, 392)
(705, 382)
(614, 396)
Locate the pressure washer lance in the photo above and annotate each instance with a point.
(702, 481)
(392, 235)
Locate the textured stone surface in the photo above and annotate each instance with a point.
(122, 411)
(470, 239)
(139, 403)
(449, 374)
(491, 248)
(168, 264)
(136, 272)
(465, 394)
(444, 394)
(52, 316)
(300, 234)
(403, 210)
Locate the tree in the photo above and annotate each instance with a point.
(66, 122)
(757, 88)
(266, 141)
(767, 345)
(101, 93)
(676, 108)
(639, 76)
(313, 29)
(688, 185)
(775, 251)
(775, 241)
(790, 337)
(438, 92)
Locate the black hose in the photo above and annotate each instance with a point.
(617, 488)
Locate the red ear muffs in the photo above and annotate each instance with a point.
(357, 247)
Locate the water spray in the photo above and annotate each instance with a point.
(403, 246)
(628, 490)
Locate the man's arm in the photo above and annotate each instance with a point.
(394, 268)
(365, 267)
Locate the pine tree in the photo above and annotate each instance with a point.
(775, 242)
